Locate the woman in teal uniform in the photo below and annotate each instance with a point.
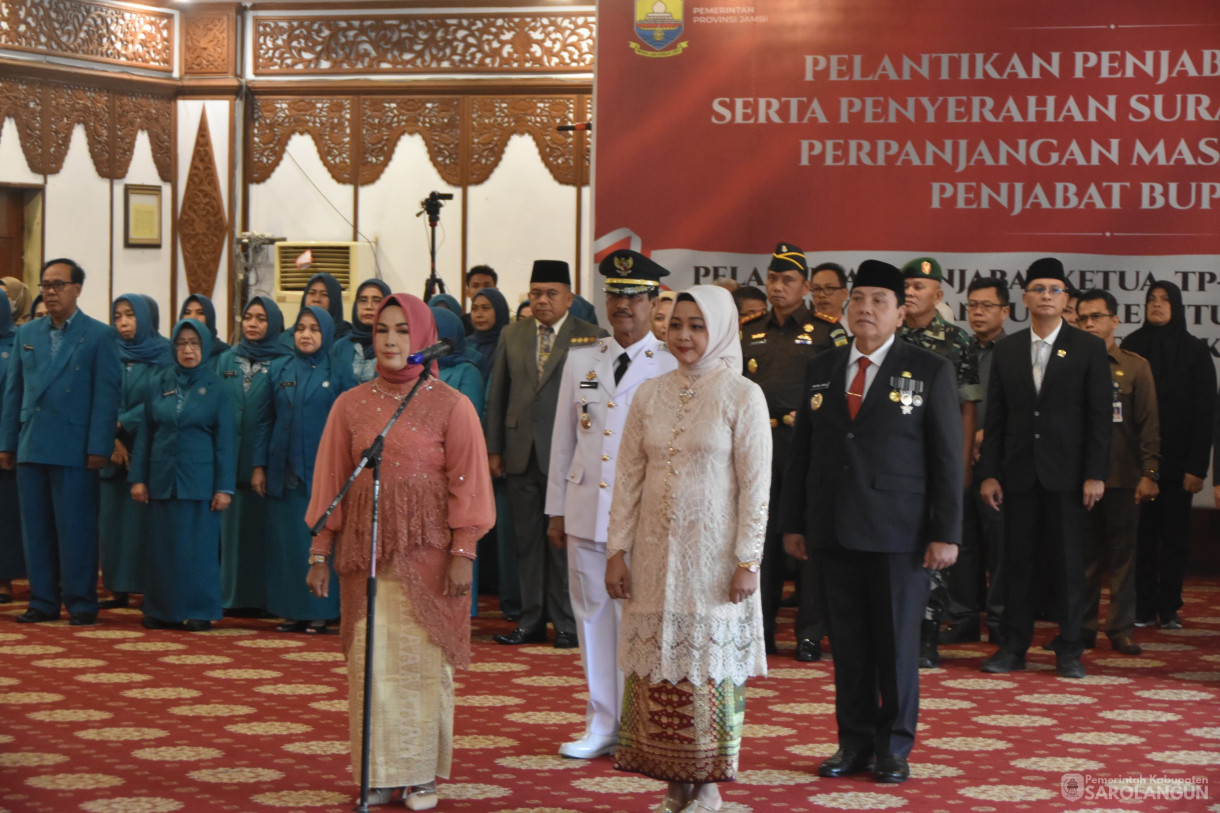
(201, 309)
(458, 370)
(185, 462)
(303, 387)
(497, 550)
(12, 559)
(244, 371)
(356, 348)
(123, 523)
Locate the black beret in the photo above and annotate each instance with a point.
(878, 274)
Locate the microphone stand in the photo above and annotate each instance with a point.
(370, 457)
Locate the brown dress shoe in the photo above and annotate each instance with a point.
(1125, 644)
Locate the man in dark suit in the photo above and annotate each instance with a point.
(521, 403)
(1046, 449)
(61, 404)
(873, 493)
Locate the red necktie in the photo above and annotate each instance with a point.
(855, 393)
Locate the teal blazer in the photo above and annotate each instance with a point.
(132, 398)
(250, 408)
(189, 454)
(59, 411)
(297, 418)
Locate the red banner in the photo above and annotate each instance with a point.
(883, 126)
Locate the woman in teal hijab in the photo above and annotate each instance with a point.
(122, 523)
(303, 388)
(12, 558)
(185, 461)
(201, 309)
(244, 371)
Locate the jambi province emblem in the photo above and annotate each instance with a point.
(658, 24)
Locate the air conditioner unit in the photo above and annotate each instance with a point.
(350, 263)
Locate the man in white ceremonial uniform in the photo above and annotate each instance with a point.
(594, 396)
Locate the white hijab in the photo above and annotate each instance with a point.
(723, 332)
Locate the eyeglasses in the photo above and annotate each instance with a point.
(1039, 290)
(55, 285)
(194, 344)
(1093, 317)
(975, 305)
(818, 290)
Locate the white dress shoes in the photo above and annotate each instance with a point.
(589, 746)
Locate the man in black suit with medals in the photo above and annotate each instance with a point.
(1046, 451)
(873, 493)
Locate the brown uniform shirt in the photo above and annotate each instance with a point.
(1136, 448)
(775, 355)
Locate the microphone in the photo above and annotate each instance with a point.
(567, 128)
(442, 348)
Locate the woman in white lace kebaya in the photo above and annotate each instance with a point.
(685, 540)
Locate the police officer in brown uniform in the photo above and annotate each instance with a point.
(775, 346)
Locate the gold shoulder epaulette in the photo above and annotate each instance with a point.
(583, 339)
(825, 317)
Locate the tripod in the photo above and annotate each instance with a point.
(432, 205)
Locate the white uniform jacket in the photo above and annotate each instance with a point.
(589, 418)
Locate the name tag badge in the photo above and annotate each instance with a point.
(588, 385)
(288, 383)
(1118, 411)
(168, 393)
(29, 347)
(229, 373)
(823, 385)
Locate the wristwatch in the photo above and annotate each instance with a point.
(316, 559)
(1154, 476)
(750, 566)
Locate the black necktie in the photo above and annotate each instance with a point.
(620, 367)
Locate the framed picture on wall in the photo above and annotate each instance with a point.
(142, 221)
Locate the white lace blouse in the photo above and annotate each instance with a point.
(690, 502)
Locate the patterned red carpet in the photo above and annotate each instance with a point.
(117, 719)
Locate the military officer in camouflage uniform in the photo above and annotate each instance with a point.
(928, 329)
(776, 345)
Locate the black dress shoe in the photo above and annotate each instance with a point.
(1125, 644)
(151, 623)
(196, 625)
(1004, 660)
(845, 763)
(965, 631)
(1068, 665)
(892, 769)
(808, 650)
(82, 619)
(118, 601)
(292, 626)
(566, 640)
(33, 616)
(521, 636)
